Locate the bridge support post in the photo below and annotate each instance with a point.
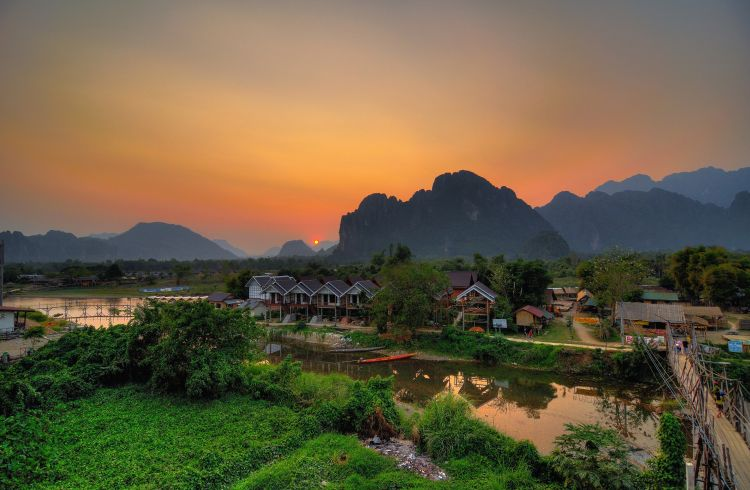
(689, 475)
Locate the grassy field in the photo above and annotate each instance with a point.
(128, 438)
(556, 331)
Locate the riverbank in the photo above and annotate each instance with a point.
(453, 344)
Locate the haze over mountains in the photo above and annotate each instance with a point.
(160, 241)
(463, 214)
(707, 185)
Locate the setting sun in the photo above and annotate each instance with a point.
(315, 242)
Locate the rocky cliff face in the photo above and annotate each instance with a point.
(462, 214)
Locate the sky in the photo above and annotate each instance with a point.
(260, 122)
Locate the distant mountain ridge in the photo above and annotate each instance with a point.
(295, 248)
(647, 220)
(462, 214)
(230, 248)
(709, 185)
(160, 241)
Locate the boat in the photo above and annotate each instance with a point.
(357, 349)
(388, 358)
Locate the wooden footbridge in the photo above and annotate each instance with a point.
(721, 442)
(88, 312)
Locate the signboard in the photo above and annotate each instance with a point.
(628, 339)
(735, 346)
(498, 323)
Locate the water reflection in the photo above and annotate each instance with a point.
(521, 403)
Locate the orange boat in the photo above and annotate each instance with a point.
(386, 359)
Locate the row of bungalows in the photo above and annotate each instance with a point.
(332, 298)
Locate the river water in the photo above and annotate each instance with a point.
(521, 403)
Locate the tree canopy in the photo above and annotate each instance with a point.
(408, 296)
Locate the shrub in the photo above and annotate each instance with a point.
(370, 409)
(448, 431)
(588, 456)
(667, 469)
(191, 347)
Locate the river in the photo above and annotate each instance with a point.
(521, 403)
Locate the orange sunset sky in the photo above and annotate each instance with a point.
(260, 122)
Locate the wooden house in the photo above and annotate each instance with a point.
(460, 281)
(220, 300)
(275, 293)
(531, 316)
(328, 298)
(477, 303)
(649, 315)
(300, 297)
(357, 298)
(704, 316)
(12, 319)
(256, 284)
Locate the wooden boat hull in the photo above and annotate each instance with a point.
(387, 359)
(357, 349)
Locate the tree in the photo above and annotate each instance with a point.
(113, 272)
(589, 456)
(400, 255)
(191, 347)
(522, 282)
(410, 291)
(235, 283)
(687, 267)
(482, 268)
(721, 284)
(181, 271)
(667, 469)
(611, 278)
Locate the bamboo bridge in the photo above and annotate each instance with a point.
(721, 443)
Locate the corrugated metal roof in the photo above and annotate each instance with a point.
(660, 296)
(708, 311)
(537, 312)
(645, 312)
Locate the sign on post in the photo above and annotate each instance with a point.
(498, 323)
(735, 346)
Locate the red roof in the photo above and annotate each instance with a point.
(461, 279)
(536, 311)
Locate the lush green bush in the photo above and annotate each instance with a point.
(448, 431)
(191, 347)
(370, 409)
(588, 456)
(667, 469)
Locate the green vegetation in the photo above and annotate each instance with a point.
(521, 282)
(711, 274)
(497, 350)
(588, 456)
(408, 295)
(667, 469)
